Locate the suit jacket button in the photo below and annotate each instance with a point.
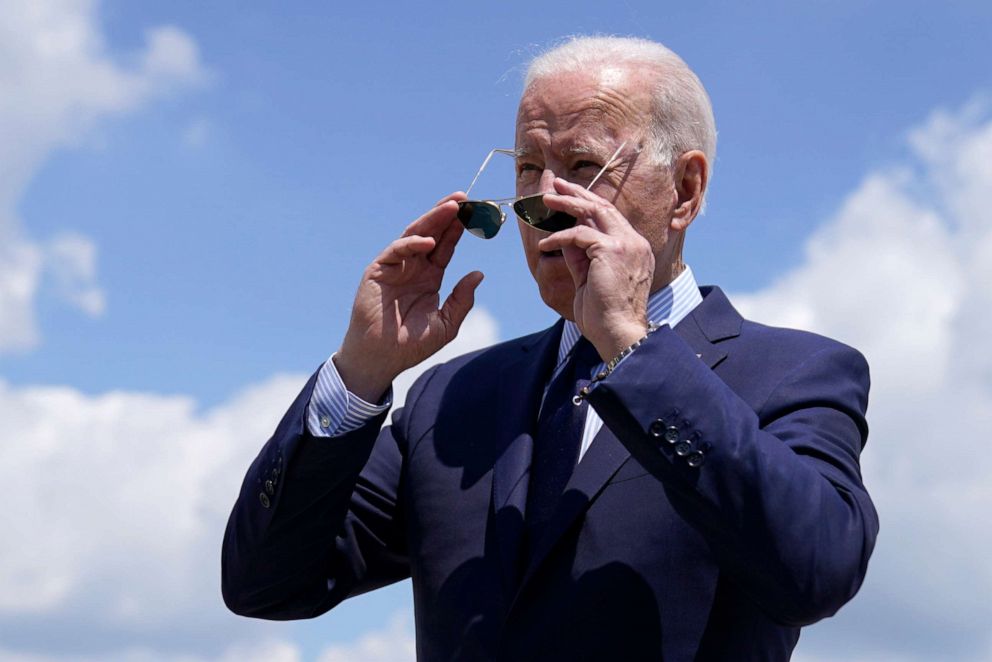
(657, 428)
(683, 448)
(695, 459)
(264, 499)
(270, 487)
(671, 434)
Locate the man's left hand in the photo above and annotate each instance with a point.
(611, 264)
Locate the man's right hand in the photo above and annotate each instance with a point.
(395, 321)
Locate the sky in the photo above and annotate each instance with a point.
(189, 192)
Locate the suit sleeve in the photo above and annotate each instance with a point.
(317, 519)
(776, 491)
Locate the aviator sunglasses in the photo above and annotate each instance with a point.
(484, 218)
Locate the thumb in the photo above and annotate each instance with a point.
(459, 303)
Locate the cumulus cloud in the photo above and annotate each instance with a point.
(903, 271)
(394, 643)
(20, 266)
(57, 81)
(115, 507)
(71, 260)
(272, 650)
(104, 488)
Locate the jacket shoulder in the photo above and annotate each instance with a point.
(494, 355)
(771, 345)
(476, 368)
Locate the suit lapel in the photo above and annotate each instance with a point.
(712, 321)
(691, 332)
(528, 373)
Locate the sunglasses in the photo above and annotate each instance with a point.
(484, 218)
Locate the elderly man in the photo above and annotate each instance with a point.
(653, 477)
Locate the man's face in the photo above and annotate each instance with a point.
(568, 126)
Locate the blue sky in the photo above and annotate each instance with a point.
(188, 210)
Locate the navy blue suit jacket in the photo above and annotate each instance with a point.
(646, 557)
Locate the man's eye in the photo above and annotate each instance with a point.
(528, 170)
(579, 165)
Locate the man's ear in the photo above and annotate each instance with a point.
(690, 177)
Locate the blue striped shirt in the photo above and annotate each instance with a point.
(334, 411)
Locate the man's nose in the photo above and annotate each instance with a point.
(547, 181)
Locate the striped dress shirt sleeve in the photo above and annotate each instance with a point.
(333, 410)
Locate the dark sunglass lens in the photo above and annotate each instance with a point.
(533, 211)
(483, 219)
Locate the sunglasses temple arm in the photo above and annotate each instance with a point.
(612, 159)
(485, 163)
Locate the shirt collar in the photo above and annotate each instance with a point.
(669, 305)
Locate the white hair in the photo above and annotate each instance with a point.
(682, 113)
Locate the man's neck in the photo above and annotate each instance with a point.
(664, 277)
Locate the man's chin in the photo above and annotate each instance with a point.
(559, 299)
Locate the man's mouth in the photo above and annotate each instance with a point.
(556, 253)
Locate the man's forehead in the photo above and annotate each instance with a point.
(583, 111)
(589, 129)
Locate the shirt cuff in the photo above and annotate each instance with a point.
(333, 410)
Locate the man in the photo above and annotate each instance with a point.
(691, 492)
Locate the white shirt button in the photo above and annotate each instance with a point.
(325, 422)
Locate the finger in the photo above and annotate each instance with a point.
(565, 187)
(580, 236)
(434, 222)
(599, 214)
(405, 248)
(459, 303)
(586, 206)
(441, 255)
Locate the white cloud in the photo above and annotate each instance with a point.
(105, 488)
(115, 507)
(904, 273)
(172, 57)
(800, 656)
(58, 80)
(395, 643)
(267, 651)
(20, 266)
(262, 651)
(71, 260)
